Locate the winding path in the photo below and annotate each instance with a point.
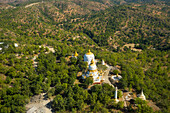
(31, 4)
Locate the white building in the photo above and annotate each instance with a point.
(116, 77)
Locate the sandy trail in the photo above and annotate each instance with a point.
(31, 4)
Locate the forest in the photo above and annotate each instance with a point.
(105, 27)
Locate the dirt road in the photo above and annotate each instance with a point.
(40, 105)
(106, 75)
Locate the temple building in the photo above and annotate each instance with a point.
(142, 96)
(92, 68)
(116, 78)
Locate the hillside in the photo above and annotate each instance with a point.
(37, 40)
(128, 24)
(134, 25)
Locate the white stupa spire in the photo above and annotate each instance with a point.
(103, 63)
(116, 100)
(142, 92)
(142, 96)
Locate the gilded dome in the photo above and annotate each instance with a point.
(89, 52)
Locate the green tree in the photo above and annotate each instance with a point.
(88, 81)
(58, 103)
(97, 107)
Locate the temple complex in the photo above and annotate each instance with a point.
(92, 68)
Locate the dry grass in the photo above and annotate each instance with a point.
(132, 47)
